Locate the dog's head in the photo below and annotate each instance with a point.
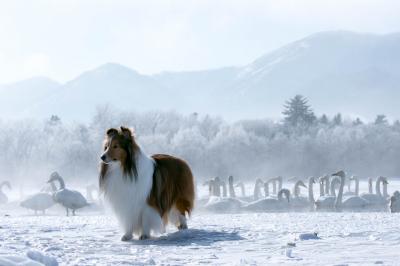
(120, 146)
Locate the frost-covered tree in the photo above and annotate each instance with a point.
(381, 120)
(357, 122)
(212, 146)
(323, 120)
(337, 119)
(297, 112)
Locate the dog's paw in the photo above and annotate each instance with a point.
(144, 237)
(182, 227)
(126, 237)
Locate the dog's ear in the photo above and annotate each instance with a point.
(112, 132)
(126, 132)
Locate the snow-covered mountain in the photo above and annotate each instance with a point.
(338, 71)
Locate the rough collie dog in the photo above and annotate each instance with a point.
(144, 192)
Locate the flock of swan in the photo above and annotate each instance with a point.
(223, 198)
(267, 196)
(43, 200)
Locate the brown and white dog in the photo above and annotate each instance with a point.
(145, 192)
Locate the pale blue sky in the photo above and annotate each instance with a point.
(62, 38)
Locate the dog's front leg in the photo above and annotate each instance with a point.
(151, 221)
(127, 236)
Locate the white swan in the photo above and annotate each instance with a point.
(395, 202)
(327, 202)
(299, 202)
(377, 201)
(270, 204)
(70, 199)
(3, 196)
(257, 189)
(351, 203)
(223, 205)
(40, 201)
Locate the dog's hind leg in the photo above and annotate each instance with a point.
(182, 206)
(182, 222)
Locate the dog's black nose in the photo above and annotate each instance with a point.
(103, 157)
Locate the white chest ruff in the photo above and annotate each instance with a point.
(127, 198)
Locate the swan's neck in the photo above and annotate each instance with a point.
(257, 190)
(378, 187)
(61, 181)
(357, 189)
(385, 193)
(338, 201)
(333, 192)
(231, 190)
(211, 188)
(217, 188)
(266, 189)
(280, 183)
(296, 190)
(321, 188)
(311, 191)
(224, 190)
(327, 184)
(274, 186)
(370, 191)
(53, 187)
(285, 192)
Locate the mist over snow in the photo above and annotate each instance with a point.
(338, 71)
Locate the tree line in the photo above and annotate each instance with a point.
(301, 144)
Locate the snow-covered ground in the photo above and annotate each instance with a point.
(216, 239)
(92, 238)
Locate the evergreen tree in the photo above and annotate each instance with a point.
(381, 120)
(324, 120)
(337, 119)
(297, 112)
(357, 122)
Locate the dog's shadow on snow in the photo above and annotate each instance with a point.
(191, 236)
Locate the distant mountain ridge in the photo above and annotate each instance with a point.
(339, 71)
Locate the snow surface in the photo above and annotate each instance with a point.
(216, 239)
(93, 238)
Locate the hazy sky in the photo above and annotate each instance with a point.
(62, 38)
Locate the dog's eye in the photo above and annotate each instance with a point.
(105, 147)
